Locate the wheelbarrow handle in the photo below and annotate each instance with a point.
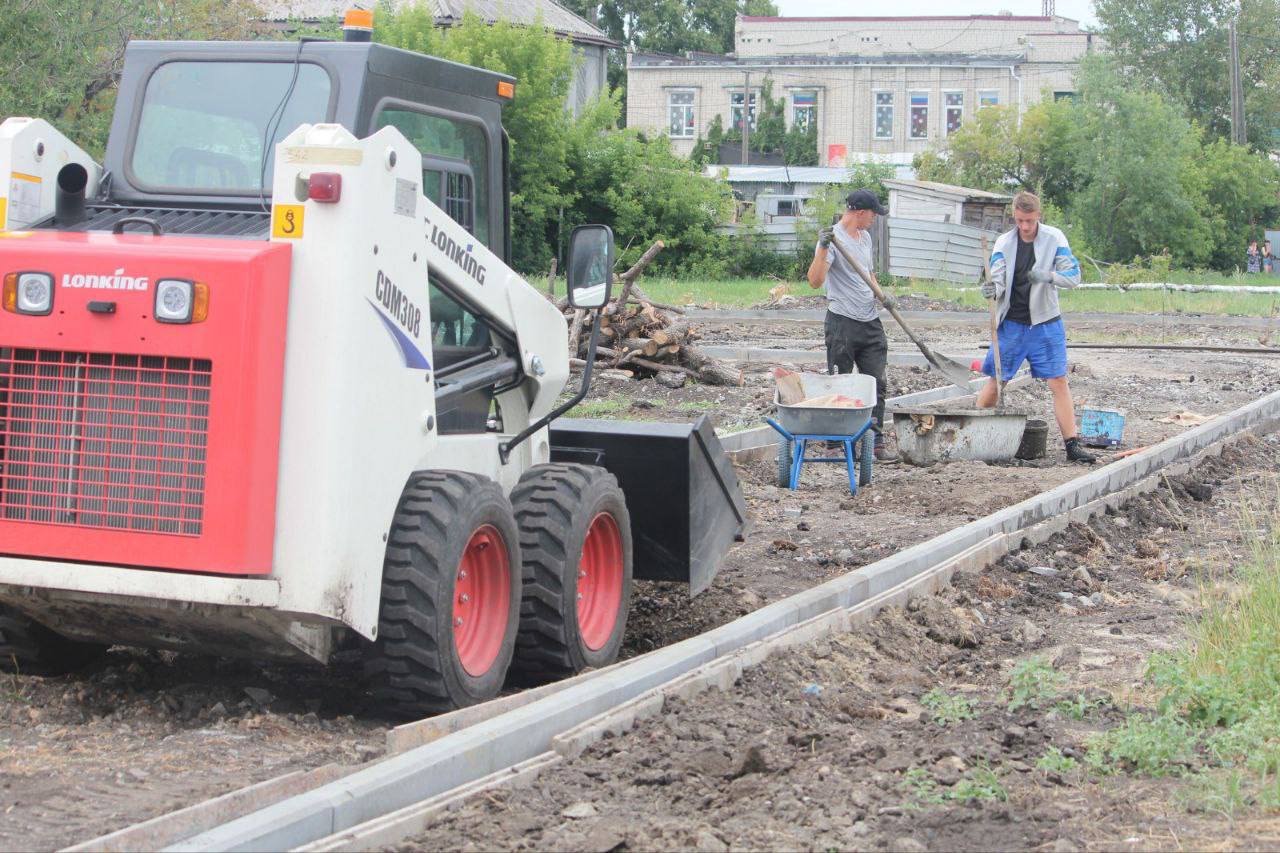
(788, 436)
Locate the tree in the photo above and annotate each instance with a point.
(994, 151)
(537, 120)
(1180, 48)
(66, 56)
(666, 26)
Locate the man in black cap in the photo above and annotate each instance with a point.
(854, 335)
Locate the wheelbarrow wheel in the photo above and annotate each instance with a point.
(784, 463)
(866, 455)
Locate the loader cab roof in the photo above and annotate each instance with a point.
(196, 123)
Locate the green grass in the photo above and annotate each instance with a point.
(609, 407)
(743, 293)
(1217, 720)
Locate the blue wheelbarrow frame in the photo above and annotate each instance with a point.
(800, 440)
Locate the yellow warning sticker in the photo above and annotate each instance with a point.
(286, 221)
(4, 213)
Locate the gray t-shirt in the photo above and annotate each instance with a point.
(847, 294)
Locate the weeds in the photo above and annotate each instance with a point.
(1217, 720)
(947, 709)
(1033, 681)
(981, 784)
(1053, 761)
(1080, 706)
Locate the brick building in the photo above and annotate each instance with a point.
(887, 87)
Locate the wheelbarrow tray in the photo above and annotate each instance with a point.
(799, 419)
(930, 434)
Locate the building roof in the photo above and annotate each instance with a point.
(549, 14)
(449, 12)
(951, 190)
(802, 174)
(765, 19)
(660, 60)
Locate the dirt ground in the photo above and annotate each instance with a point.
(829, 746)
(144, 733)
(805, 537)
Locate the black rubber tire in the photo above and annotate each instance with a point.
(865, 458)
(555, 505)
(29, 648)
(413, 667)
(784, 463)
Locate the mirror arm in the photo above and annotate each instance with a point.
(504, 449)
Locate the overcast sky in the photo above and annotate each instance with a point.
(1081, 10)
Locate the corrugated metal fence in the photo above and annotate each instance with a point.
(935, 250)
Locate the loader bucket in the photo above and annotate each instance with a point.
(682, 493)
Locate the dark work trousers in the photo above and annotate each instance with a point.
(861, 344)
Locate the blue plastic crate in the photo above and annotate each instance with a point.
(1102, 427)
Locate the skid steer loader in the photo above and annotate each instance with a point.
(269, 388)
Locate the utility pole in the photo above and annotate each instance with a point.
(1238, 134)
(746, 118)
(1048, 8)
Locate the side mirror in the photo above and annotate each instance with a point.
(590, 266)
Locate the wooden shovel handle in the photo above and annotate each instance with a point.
(995, 323)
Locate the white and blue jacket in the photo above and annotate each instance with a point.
(1053, 256)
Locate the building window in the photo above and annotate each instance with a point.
(954, 102)
(884, 115)
(1065, 96)
(988, 98)
(919, 115)
(804, 105)
(680, 110)
(787, 207)
(735, 102)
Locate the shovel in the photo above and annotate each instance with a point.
(955, 372)
(995, 337)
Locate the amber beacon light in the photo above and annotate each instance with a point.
(357, 25)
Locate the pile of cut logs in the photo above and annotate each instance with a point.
(641, 338)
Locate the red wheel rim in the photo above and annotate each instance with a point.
(599, 582)
(481, 600)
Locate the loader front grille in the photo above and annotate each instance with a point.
(103, 440)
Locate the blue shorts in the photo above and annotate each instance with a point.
(1044, 345)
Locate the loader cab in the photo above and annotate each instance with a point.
(196, 123)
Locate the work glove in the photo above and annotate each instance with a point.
(825, 236)
(1038, 277)
(889, 301)
(988, 289)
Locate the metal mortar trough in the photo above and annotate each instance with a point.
(800, 419)
(928, 434)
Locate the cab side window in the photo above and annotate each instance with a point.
(455, 158)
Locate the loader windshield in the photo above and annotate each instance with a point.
(203, 124)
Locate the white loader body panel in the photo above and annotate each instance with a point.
(358, 409)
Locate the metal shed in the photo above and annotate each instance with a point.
(933, 202)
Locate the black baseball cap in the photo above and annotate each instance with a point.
(865, 200)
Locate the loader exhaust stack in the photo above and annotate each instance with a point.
(69, 201)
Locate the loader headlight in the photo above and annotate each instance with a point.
(181, 301)
(28, 293)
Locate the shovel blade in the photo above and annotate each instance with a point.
(954, 372)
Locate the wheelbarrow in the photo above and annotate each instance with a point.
(799, 424)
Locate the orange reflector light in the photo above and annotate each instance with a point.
(11, 292)
(506, 90)
(199, 302)
(358, 19)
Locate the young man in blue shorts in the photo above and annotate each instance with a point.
(1028, 266)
